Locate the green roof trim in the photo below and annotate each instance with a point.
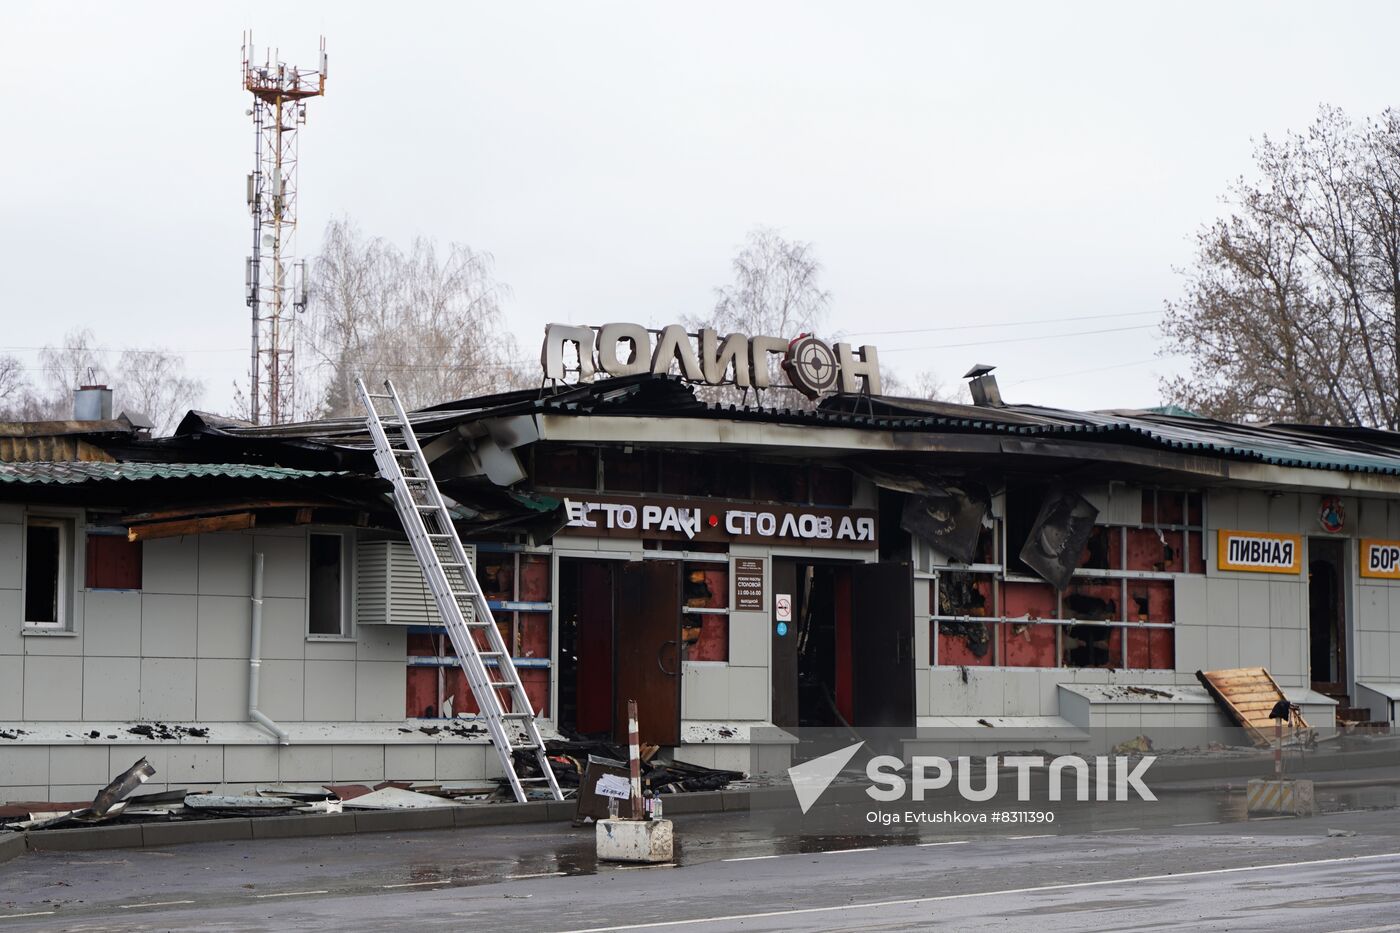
(77, 472)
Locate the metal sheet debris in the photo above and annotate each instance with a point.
(396, 798)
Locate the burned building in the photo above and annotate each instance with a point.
(865, 560)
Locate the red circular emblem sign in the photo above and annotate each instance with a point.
(1331, 514)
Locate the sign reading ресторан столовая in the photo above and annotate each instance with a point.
(811, 366)
(720, 521)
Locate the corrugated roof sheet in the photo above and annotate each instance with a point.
(88, 472)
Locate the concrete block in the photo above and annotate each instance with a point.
(225, 626)
(700, 802)
(221, 690)
(169, 626)
(380, 690)
(79, 764)
(284, 628)
(226, 565)
(309, 824)
(733, 757)
(170, 565)
(284, 564)
(168, 688)
(11, 687)
(281, 691)
(410, 762)
(500, 814)
(53, 688)
(634, 840)
(112, 623)
(1268, 795)
(357, 764)
(308, 763)
(329, 691)
(12, 845)
(165, 834)
(87, 838)
(388, 821)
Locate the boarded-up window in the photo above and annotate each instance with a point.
(325, 585)
(113, 563)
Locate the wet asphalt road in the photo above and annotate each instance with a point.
(1199, 866)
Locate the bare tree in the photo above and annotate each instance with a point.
(429, 320)
(926, 385)
(1292, 307)
(152, 382)
(775, 292)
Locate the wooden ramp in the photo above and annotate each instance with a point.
(1248, 695)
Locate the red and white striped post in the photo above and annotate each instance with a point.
(634, 761)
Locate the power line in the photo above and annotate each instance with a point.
(986, 343)
(1095, 369)
(1048, 320)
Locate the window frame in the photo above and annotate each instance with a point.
(63, 618)
(347, 588)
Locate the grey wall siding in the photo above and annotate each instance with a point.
(177, 649)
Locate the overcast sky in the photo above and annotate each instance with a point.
(955, 165)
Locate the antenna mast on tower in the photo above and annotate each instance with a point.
(276, 281)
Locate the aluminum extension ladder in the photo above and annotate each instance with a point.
(452, 581)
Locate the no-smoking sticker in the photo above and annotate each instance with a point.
(782, 607)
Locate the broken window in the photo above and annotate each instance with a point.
(46, 563)
(112, 562)
(960, 604)
(328, 592)
(705, 610)
(566, 467)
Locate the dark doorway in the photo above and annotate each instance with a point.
(1327, 645)
(846, 655)
(647, 627)
(586, 646)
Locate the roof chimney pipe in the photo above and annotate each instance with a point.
(92, 403)
(983, 386)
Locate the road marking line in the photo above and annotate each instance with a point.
(153, 904)
(1034, 836)
(750, 858)
(845, 851)
(1066, 886)
(416, 884)
(538, 874)
(1383, 929)
(1201, 823)
(1123, 829)
(37, 913)
(925, 845)
(290, 894)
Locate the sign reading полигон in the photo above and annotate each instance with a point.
(1258, 552)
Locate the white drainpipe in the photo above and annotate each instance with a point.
(255, 658)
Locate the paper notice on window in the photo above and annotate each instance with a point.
(613, 785)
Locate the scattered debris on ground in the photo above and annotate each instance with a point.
(12, 733)
(162, 732)
(1138, 746)
(570, 758)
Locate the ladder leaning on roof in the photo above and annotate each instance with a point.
(452, 580)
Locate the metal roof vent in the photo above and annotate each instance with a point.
(92, 403)
(983, 386)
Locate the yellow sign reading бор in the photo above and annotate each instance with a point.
(1259, 552)
(1380, 559)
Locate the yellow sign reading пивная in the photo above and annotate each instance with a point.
(1259, 552)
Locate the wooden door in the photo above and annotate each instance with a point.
(648, 649)
(882, 644)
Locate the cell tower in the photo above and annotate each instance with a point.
(276, 281)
